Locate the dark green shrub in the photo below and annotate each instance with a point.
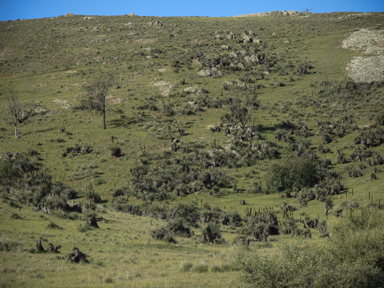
(7, 173)
(291, 174)
(353, 258)
(304, 267)
(53, 225)
(200, 268)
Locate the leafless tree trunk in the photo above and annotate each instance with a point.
(16, 111)
(97, 93)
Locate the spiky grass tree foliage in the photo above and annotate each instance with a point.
(211, 232)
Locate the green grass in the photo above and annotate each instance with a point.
(46, 62)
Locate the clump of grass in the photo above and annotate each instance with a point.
(220, 268)
(185, 266)
(84, 228)
(108, 280)
(53, 225)
(200, 268)
(9, 244)
(99, 263)
(15, 216)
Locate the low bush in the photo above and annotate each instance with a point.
(291, 174)
(353, 258)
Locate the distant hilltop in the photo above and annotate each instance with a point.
(278, 13)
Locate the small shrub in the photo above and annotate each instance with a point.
(53, 225)
(84, 228)
(221, 268)
(108, 280)
(200, 268)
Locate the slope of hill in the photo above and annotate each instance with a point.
(221, 131)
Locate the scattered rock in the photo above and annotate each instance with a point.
(191, 89)
(63, 103)
(209, 72)
(370, 68)
(230, 36)
(251, 58)
(154, 24)
(366, 69)
(276, 13)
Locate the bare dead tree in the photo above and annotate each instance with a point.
(16, 111)
(97, 93)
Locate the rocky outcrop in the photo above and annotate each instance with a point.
(276, 13)
(209, 72)
(366, 68)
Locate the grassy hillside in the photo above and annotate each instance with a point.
(290, 70)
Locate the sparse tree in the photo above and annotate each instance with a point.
(241, 102)
(96, 95)
(16, 111)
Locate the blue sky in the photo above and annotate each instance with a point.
(27, 9)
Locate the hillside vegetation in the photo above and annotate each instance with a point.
(190, 152)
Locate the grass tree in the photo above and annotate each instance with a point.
(96, 95)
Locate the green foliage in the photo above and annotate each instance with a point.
(352, 258)
(7, 173)
(173, 227)
(185, 266)
(84, 228)
(200, 268)
(358, 236)
(304, 267)
(9, 244)
(54, 57)
(53, 225)
(292, 174)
